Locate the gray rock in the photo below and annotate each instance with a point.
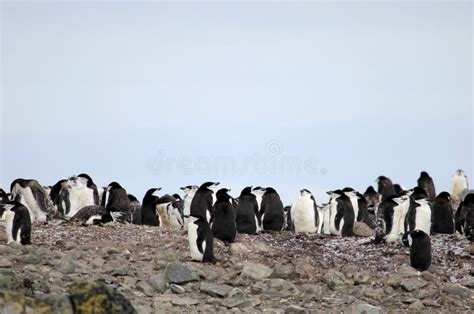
(365, 308)
(5, 263)
(294, 309)
(413, 283)
(66, 265)
(337, 281)
(177, 289)
(312, 292)
(180, 274)
(407, 271)
(54, 303)
(146, 288)
(375, 294)
(283, 271)
(281, 285)
(215, 290)
(158, 282)
(361, 277)
(97, 263)
(416, 306)
(459, 290)
(362, 230)
(184, 301)
(393, 281)
(256, 272)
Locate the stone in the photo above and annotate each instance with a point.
(361, 277)
(337, 281)
(256, 272)
(66, 265)
(177, 289)
(459, 290)
(375, 294)
(184, 301)
(158, 282)
(5, 263)
(97, 262)
(97, 297)
(283, 271)
(180, 274)
(365, 308)
(362, 230)
(416, 306)
(393, 281)
(52, 303)
(281, 285)
(407, 271)
(146, 288)
(294, 309)
(413, 283)
(214, 290)
(312, 292)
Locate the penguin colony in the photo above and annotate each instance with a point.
(209, 211)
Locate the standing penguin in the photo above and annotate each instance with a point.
(91, 185)
(420, 250)
(385, 187)
(18, 222)
(288, 221)
(364, 215)
(33, 196)
(341, 214)
(167, 215)
(117, 197)
(135, 210)
(426, 183)
(54, 193)
(419, 214)
(465, 217)
(74, 195)
(175, 213)
(304, 213)
(272, 211)
(190, 191)
(373, 199)
(247, 216)
(149, 216)
(458, 187)
(443, 221)
(201, 205)
(223, 226)
(201, 240)
(258, 191)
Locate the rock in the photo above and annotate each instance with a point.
(337, 281)
(281, 285)
(158, 282)
(361, 277)
(215, 290)
(459, 290)
(256, 272)
(258, 287)
(393, 281)
(147, 289)
(184, 301)
(411, 284)
(239, 248)
(469, 283)
(416, 306)
(429, 276)
(375, 294)
(283, 271)
(312, 292)
(362, 230)
(469, 249)
(52, 303)
(5, 263)
(176, 289)
(96, 297)
(294, 309)
(97, 262)
(365, 308)
(66, 265)
(407, 271)
(180, 274)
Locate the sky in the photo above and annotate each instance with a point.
(318, 95)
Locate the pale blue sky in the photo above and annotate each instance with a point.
(359, 89)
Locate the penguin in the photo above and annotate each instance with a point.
(117, 197)
(201, 240)
(75, 194)
(33, 196)
(102, 194)
(92, 215)
(288, 226)
(271, 211)
(201, 205)
(420, 250)
(18, 222)
(352, 194)
(304, 213)
(54, 193)
(325, 221)
(373, 199)
(168, 216)
(247, 216)
(442, 216)
(148, 212)
(3, 197)
(135, 210)
(341, 214)
(224, 227)
(177, 197)
(385, 187)
(385, 219)
(175, 212)
(364, 215)
(398, 189)
(258, 191)
(91, 185)
(459, 185)
(426, 183)
(189, 191)
(465, 217)
(418, 216)
(392, 211)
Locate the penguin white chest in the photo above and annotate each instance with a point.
(192, 237)
(423, 219)
(303, 216)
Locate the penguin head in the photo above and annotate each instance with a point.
(444, 195)
(335, 194)
(223, 194)
(460, 173)
(156, 192)
(418, 193)
(370, 190)
(270, 190)
(424, 174)
(186, 188)
(348, 189)
(416, 234)
(190, 219)
(469, 200)
(114, 185)
(86, 177)
(383, 182)
(422, 201)
(132, 198)
(398, 188)
(305, 193)
(212, 186)
(177, 197)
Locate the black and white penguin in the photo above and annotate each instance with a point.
(418, 216)
(304, 213)
(91, 185)
(148, 212)
(203, 200)
(33, 196)
(55, 192)
(167, 218)
(75, 194)
(3, 197)
(426, 183)
(175, 212)
(177, 197)
(352, 194)
(201, 240)
(258, 191)
(385, 187)
(17, 222)
(117, 197)
(271, 211)
(342, 214)
(392, 212)
(364, 215)
(398, 189)
(465, 217)
(189, 191)
(459, 185)
(247, 216)
(92, 215)
(420, 250)
(325, 218)
(373, 199)
(288, 221)
(224, 227)
(135, 210)
(442, 216)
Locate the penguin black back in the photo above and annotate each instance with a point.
(118, 198)
(420, 250)
(373, 199)
(148, 211)
(443, 220)
(247, 216)
(426, 183)
(468, 207)
(55, 192)
(223, 226)
(363, 214)
(345, 211)
(201, 205)
(18, 221)
(385, 187)
(272, 210)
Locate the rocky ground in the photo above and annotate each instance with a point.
(270, 272)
